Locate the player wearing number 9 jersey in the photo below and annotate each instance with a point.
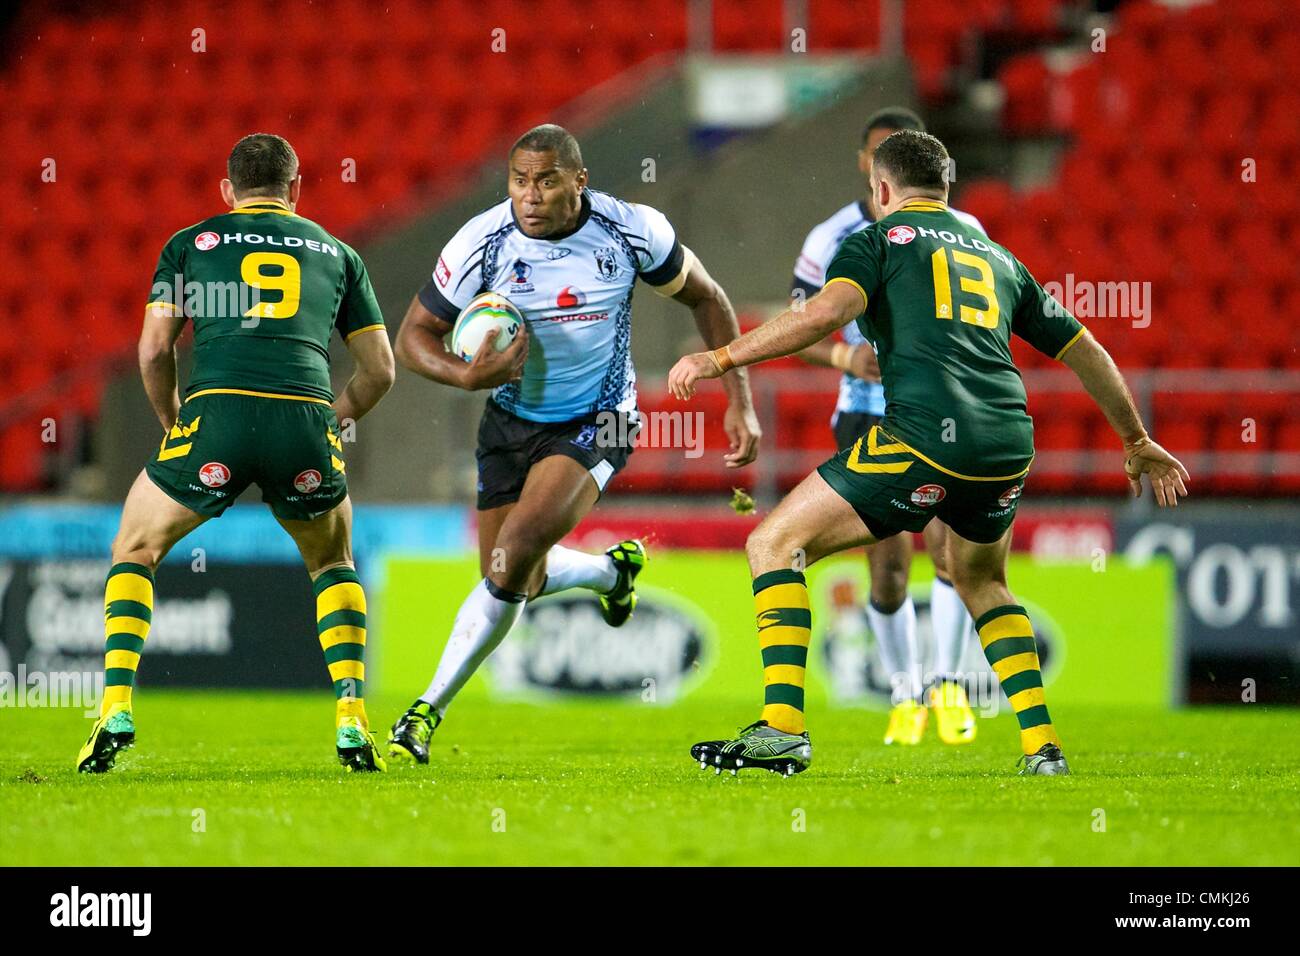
(940, 301)
(265, 290)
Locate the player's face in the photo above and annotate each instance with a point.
(546, 198)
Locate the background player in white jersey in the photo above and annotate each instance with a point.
(861, 404)
(562, 415)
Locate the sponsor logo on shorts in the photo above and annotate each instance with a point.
(1010, 495)
(214, 474)
(901, 235)
(442, 273)
(307, 481)
(927, 496)
(585, 437)
(206, 240)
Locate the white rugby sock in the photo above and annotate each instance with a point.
(896, 638)
(952, 626)
(567, 568)
(481, 623)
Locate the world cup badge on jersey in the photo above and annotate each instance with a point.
(607, 263)
(519, 280)
(1011, 494)
(214, 474)
(307, 481)
(901, 235)
(927, 496)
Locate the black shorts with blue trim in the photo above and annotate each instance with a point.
(509, 445)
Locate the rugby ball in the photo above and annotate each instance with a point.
(489, 314)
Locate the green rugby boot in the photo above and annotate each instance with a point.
(113, 731)
(408, 742)
(1048, 762)
(629, 558)
(358, 752)
(758, 746)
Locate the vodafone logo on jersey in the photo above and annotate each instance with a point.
(571, 297)
(901, 235)
(307, 481)
(206, 240)
(214, 474)
(927, 496)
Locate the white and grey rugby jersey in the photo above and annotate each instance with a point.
(856, 396)
(575, 291)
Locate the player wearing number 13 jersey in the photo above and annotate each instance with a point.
(265, 289)
(940, 301)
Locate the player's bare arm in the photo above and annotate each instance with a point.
(372, 378)
(834, 307)
(858, 360)
(157, 354)
(1096, 370)
(716, 320)
(421, 348)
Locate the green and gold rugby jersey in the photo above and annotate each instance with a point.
(265, 289)
(942, 302)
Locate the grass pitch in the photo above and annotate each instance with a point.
(248, 779)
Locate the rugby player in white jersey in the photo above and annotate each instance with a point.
(561, 419)
(861, 404)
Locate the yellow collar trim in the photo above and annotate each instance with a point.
(266, 205)
(924, 205)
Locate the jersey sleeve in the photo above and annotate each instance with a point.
(167, 291)
(661, 260)
(860, 261)
(359, 310)
(809, 271)
(1042, 321)
(457, 275)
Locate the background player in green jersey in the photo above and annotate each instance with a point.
(265, 290)
(940, 301)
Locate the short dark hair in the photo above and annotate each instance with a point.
(262, 164)
(913, 160)
(551, 138)
(892, 117)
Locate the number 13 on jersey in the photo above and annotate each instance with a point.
(986, 316)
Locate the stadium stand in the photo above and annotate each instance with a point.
(1127, 201)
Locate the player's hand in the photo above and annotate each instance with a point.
(491, 368)
(1166, 473)
(864, 364)
(689, 370)
(743, 431)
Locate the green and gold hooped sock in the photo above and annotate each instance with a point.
(128, 610)
(784, 630)
(1008, 641)
(341, 626)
